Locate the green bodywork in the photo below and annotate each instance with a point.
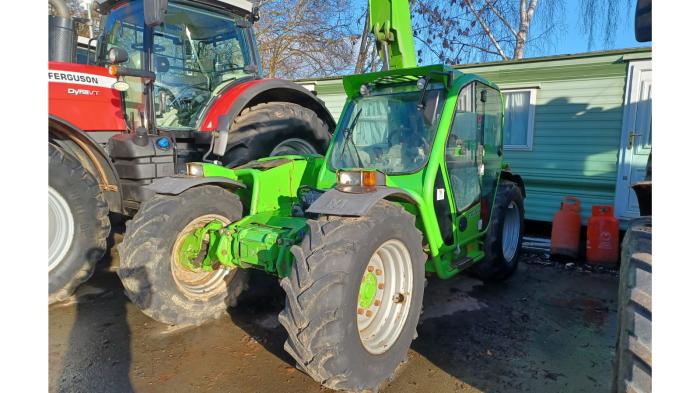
(263, 238)
(390, 22)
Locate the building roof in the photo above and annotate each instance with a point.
(584, 55)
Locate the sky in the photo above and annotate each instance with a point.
(573, 39)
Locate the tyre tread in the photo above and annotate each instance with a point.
(633, 360)
(100, 228)
(315, 330)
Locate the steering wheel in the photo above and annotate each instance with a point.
(415, 140)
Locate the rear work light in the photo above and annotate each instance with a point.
(358, 180)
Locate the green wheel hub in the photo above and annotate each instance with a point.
(190, 262)
(384, 296)
(368, 290)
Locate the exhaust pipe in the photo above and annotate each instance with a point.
(63, 37)
(61, 8)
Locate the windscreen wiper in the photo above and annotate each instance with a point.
(348, 138)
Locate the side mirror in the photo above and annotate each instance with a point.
(429, 110)
(117, 55)
(154, 12)
(254, 15)
(642, 21)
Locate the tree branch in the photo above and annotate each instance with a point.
(487, 30)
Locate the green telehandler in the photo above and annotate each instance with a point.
(413, 183)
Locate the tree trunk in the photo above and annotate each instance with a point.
(526, 13)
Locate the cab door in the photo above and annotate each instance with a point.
(489, 109)
(473, 159)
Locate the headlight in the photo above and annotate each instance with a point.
(364, 90)
(195, 169)
(358, 181)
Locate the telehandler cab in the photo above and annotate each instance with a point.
(413, 183)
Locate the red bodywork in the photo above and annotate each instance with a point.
(223, 103)
(83, 96)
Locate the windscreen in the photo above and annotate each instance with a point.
(388, 132)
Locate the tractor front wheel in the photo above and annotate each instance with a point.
(152, 276)
(275, 129)
(354, 297)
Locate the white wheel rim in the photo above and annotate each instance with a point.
(293, 146)
(381, 320)
(61, 228)
(511, 231)
(197, 285)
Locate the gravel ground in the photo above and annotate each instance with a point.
(551, 328)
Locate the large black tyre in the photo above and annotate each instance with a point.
(321, 312)
(632, 372)
(275, 128)
(504, 240)
(154, 281)
(78, 224)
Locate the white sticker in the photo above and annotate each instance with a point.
(80, 78)
(440, 194)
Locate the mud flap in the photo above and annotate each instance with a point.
(334, 202)
(178, 184)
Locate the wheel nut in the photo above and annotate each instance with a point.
(380, 285)
(368, 313)
(378, 272)
(377, 302)
(360, 311)
(398, 298)
(370, 268)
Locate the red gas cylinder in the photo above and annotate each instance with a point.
(602, 239)
(566, 228)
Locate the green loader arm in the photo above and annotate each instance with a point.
(390, 21)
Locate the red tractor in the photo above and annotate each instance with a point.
(164, 77)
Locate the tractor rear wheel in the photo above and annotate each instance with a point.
(354, 297)
(275, 129)
(504, 238)
(153, 278)
(78, 224)
(632, 372)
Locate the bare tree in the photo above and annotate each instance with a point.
(305, 38)
(600, 18)
(467, 30)
(79, 12)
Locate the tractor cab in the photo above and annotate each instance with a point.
(192, 52)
